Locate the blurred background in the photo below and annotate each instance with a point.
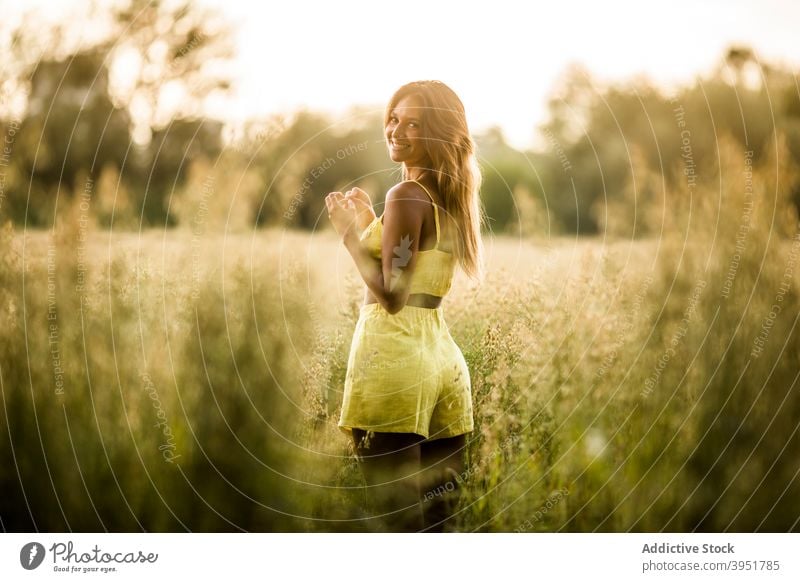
(177, 311)
(141, 97)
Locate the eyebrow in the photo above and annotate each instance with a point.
(393, 114)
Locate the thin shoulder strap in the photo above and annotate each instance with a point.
(435, 212)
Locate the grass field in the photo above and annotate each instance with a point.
(173, 382)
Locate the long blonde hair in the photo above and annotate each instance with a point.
(452, 152)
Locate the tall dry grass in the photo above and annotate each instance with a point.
(195, 382)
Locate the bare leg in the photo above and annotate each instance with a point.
(443, 471)
(390, 463)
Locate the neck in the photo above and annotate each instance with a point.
(415, 173)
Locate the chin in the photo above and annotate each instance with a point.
(395, 157)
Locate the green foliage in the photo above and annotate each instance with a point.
(622, 144)
(610, 158)
(157, 396)
(195, 382)
(100, 108)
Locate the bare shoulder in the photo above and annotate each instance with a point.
(410, 191)
(406, 196)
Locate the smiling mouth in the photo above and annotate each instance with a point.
(398, 146)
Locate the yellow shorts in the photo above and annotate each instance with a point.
(405, 373)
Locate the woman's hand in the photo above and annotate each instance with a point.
(363, 205)
(349, 210)
(342, 213)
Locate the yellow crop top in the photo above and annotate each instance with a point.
(435, 268)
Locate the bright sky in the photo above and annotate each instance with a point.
(502, 57)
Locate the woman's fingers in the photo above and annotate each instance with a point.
(360, 195)
(331, 200)
(337, 201)
(359, 203)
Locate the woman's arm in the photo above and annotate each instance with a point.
(390, 280)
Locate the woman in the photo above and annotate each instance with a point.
(407, 397)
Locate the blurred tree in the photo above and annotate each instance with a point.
(311, 156)
(610, 186)
(131, 102)
(162, 168)
(506, 172)
(167, 60)
(533, 220)
(570, 102)
(113, 205)
(70, 129)
(131, 105)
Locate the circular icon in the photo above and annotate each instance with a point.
(31, 555)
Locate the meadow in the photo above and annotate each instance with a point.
(189, 380)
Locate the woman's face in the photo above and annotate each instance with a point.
(404, 133)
